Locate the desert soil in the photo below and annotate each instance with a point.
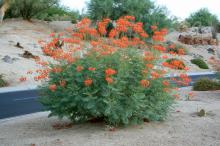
(182, 128)
(27, 34)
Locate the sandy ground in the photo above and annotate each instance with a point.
(182, 128)
(27, 34)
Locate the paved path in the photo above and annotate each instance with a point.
(19, 103)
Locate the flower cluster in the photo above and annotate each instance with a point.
(175, 64)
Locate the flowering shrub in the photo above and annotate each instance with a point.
(176, 49)
(174, 63)
(106, 78)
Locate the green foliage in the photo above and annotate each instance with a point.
(58, 13)
(206, 85)
(2, 82)
(203, 18)
(158, 16)
(181, 26)
(27, 9)
(218, 77)
(122, 102)
(99, 9)
(200, 63)
(1, 3)
(74, 21)
(144, 11)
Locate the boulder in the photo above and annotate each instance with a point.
(197, 40)
(8, 59)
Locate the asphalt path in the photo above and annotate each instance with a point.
(26, 102)
(19, 103)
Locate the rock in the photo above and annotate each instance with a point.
(195, 56)
(169, 42)
(211, 51)
(201, 113)
(35, 45)
(18, 45)
(11, 41)
(8, 59)
(29, 55)
(198, 36)
(196, 40)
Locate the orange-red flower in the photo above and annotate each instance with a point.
(159, 48)
(22, 79)
(175, 64)
(155, 75)
(158, 38)
(52, 34)
(145, 83)
(113, 33)
(153, 27)
(166, 83)
(110, 72)
(164, 31)
(150, 66)
(177, 96)
(91, 69)
(30, 72)
(181, 51)
(53, 87)
(62, 83)
(79, 68)
(145, 71)
(167, 90)
(164, 56)
(191, 94)
(88, 82)
(109, 80)
(57, 69)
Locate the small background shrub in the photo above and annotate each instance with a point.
(59, 13)
(206, 85)
(48, 10)
(200, 63)
(176, 48)
(145, 11)
(2, 82)
(182, 26)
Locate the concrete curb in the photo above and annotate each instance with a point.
(34, 87)
(193, 74)
(24, 117)
(17, 89)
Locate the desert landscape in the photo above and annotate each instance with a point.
(109, 72)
